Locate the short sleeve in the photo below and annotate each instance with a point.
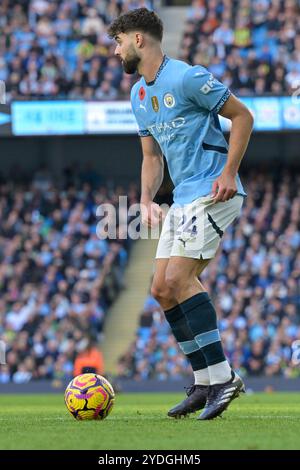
(200, 87)
(142, 130)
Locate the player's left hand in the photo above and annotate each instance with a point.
(224, 188)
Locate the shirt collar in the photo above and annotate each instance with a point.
(161, 67)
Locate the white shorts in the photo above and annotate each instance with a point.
(195, 230)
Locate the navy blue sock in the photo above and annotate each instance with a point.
(185, 338)
(202, 320)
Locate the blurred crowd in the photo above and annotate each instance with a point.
(254, 282)
(60, 48)
(253, 46)
(57, 277)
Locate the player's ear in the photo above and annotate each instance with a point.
(139, 40)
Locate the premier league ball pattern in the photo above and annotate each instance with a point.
(89, 396)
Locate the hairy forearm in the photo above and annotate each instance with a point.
(152, 177)
(239, 138)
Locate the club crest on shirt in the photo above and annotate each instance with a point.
(155, 104)
(169, 100)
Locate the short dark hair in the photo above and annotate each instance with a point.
(139, 19)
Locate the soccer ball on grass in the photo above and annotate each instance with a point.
(89, 396)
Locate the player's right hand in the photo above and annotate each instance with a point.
(151, 214)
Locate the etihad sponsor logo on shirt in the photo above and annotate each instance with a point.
(164, 131)
(155, 104)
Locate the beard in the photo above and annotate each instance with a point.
(131, 62)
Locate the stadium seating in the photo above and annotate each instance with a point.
(252, 46)
(57, 278)
(61, 49)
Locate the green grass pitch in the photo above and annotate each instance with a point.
(139, 421)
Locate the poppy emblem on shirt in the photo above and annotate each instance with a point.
(169, 100)
(142, 93)
(155, 104)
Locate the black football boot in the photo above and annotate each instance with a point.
(220, 396)
(195, 401)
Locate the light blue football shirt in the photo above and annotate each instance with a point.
(180, 110)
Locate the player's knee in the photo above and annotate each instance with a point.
(157, 292)
(160, 293)
(173, 281)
